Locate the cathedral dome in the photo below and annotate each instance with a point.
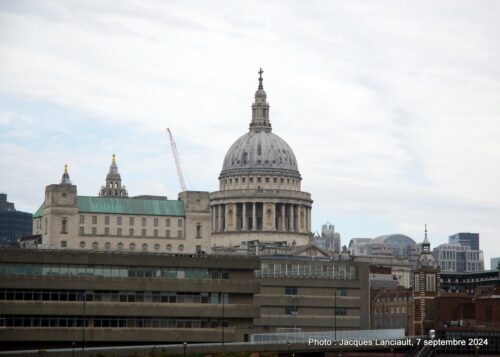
(260, 151)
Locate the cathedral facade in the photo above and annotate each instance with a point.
(259, 199)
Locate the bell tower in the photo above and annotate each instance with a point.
(113, 185)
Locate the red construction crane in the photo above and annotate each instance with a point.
(177, 160)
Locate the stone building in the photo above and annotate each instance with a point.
(260, 195)
(115, 222)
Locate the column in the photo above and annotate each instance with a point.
(235, 223)
(214, 221)
(219, 225)
(292, 223)
(244, 222)
(309, 217)
(283, 219)
(254, 216)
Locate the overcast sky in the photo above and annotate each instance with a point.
(391, 107)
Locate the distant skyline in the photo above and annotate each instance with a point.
(391, 107)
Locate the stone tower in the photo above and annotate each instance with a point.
(59, 221)
(426, 286)
(113, 185)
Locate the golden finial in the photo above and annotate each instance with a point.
(65, 168)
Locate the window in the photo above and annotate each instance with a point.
(119, 220)
(417, 282)
(143, 221)
(267, 179)
(167, 222)
(82, 219)
(131, 221)
(259, 179)
(198, 230)
(131, 232)
(430, 282)
(119, 231)
(251, 179)
(243, 180)
(82, 244)
(143, 232)
(179, 234)
(107, 245)
(106, 219)
(120, 246)
(180, 247)
(282, 180)
(157, 246)
(169, 247)
(82, 231)
(155, 232)
(94, 219)
(341, 311)
(275, 180)
(342, 292)
(64, 225)
(144, 246)
(106, 231)
(291, 310)
(198, 248)
(94, 231)
(64, 244)
(167, 234)
(95, 245)
(155, 222)
(179, 223)
(291, 290)
(132, 246)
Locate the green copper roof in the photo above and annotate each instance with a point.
(39, 212)
(136, 206)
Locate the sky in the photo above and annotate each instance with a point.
(391, 107)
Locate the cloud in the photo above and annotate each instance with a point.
(391, 108)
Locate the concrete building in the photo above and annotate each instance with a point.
(115, 222)
(13, 224)
(458, 258)
(260, 195)
(120, 298)
(470, 240)
(308, 291)
(397, 270)
(329, 239)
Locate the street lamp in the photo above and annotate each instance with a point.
(335, 314)
(184, 345)
(222, 321)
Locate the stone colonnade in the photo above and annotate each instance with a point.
(261, 216)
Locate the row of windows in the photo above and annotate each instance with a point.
(109, 321)
(131, 246)
(131, 221)
(390, 309)
(111, 271)
(293, 290)
(131, 232)
(113, 296)
(294, 310)
(391, 299)
(259, 179)
(337, 272)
